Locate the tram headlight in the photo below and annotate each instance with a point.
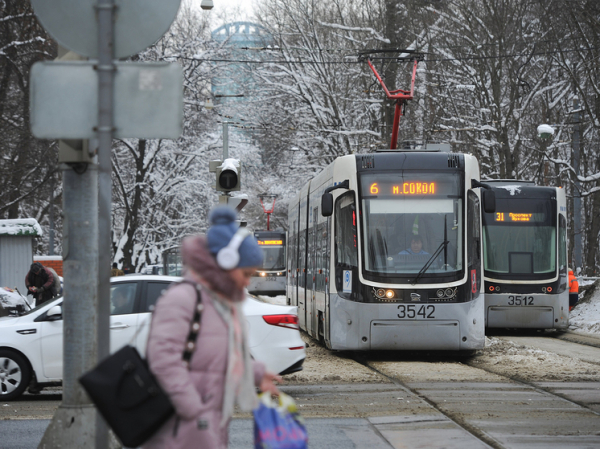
(263, 274)
(380, 293)
(389, 294)
(440, 293)
(448, 292)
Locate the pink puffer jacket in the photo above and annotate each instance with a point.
(197, 392)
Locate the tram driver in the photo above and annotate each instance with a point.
(416, 247)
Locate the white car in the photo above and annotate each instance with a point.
(31, 345)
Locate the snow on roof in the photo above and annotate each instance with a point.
(230, 164)
(512, 189)
(21, 226)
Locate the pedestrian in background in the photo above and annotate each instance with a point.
(573, 290)
(115, 270)
(41, 283)
(221, 372)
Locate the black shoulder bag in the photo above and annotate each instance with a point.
(126, 393)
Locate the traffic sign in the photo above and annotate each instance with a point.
(138, 23)
(148, 100)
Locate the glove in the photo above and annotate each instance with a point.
(32, 289)
(40, 290)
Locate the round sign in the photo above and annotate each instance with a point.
(138, 24)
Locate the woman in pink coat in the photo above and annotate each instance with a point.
(221, 373)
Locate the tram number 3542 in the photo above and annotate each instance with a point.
(416, 311)
(520, 300)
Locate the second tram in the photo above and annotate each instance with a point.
(270, 278)
(385, 253)
(525, 257)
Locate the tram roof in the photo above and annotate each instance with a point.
(410, 160)
(507, 188)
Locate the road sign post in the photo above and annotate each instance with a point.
(88, 27)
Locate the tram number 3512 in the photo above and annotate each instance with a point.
(520, 300)
(416, 311)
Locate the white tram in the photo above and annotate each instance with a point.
(270, 278)
(525, 257)
(353, 272)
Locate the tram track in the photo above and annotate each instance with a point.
(515, 385)
(454, 417)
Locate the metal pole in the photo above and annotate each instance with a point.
(106, 75)
(51, 219)
(577, 190)
(73, 423)
(225, 140)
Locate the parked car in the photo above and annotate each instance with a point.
(31, 345)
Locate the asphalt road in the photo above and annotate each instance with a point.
(417, 404)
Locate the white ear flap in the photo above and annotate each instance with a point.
(229, 257)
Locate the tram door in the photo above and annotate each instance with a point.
(303, 242)
(292, 276)
(311, 277)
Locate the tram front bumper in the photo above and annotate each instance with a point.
(415, 335)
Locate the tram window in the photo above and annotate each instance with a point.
(473, 237)
(537, 237)
(562, 244)
(346, 250)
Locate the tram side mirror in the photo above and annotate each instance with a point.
(489, 201)
(327, 204)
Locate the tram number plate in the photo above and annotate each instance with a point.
(416, 311)
(520, 300)
(270, 279)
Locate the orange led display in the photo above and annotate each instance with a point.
(270, 242)
(520, 217)
(409, 188)
(501, 216)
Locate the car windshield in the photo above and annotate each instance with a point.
(412, 227)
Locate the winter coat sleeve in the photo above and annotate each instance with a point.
(259, 371)
(170, 327)
(50, 280)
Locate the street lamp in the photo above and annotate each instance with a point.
(545, 132)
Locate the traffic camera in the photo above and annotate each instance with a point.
(228, 175)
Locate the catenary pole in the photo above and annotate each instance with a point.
(577, 251)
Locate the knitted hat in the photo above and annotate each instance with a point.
(222, 228)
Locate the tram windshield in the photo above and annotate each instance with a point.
(412, 225)
(274, 253)
(519, 239)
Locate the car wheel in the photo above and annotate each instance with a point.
(15, 375)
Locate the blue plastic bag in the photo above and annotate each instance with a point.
(277, 424)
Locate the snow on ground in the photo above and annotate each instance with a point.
(585, 317)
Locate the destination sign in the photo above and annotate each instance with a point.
(511, 216)
(270, 242)
(406, 188)
(410, 185)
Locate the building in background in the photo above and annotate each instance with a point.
(16, 250)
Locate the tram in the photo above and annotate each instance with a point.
(270, 279)
(525, 257)
(356, 271)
